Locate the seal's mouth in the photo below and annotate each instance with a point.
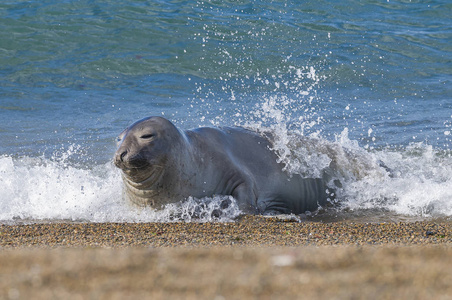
(130, 162)
(143, 178)
(131, 169)
(131, 165)
(142, 191)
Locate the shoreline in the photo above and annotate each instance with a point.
(248, 231)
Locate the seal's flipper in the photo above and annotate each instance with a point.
(246, 197)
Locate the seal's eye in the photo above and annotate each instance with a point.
(147, 136)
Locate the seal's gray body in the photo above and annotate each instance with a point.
(168, 165)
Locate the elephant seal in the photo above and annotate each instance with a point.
(161, 164)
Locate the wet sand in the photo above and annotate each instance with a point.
(254, 257)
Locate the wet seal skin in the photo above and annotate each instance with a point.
(161, 164)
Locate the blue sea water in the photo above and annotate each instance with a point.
(372, 76)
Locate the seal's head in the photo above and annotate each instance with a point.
(144, 149)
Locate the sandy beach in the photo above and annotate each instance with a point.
(254, 257)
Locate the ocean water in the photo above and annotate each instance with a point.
(372, 77)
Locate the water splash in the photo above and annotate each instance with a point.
(421, 184)
(411, 181)
(418, 184)
(37, 188)
(40, 189)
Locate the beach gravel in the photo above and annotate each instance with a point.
(254, 257)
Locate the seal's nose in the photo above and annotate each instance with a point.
(119, 158)
(122, 155)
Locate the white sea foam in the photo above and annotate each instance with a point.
(412, 181)
(37, 189)
(418, 183)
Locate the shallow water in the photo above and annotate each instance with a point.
(370, 76)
